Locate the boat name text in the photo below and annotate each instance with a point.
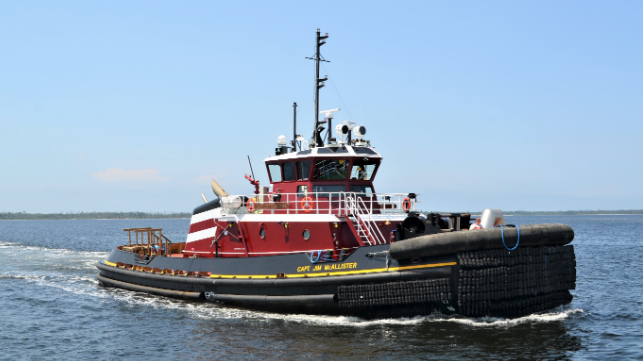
(327, 267)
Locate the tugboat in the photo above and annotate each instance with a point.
(321, 240)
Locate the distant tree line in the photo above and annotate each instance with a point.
(167, 215)
(560, 213)
(576, 213)
(92, 215)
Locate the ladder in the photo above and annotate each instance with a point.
(363, 226)
(360, 230)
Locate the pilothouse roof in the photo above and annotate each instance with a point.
(332, 151)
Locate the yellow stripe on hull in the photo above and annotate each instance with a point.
(325, 274)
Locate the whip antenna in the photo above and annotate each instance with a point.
(251, 171)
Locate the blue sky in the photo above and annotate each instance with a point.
(120, 105)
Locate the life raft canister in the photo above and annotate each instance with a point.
(251, 205)
(306, 204)
(406, 204)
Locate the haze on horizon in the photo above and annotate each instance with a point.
(121, 106)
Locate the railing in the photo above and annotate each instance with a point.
(364, 216)
(148, 241)
(335, 203)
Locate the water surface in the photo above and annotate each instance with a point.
(53, 308)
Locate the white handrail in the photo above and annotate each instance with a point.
(371, 224)
(337, 203)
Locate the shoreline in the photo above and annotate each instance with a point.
(105, 216)
(23, 216)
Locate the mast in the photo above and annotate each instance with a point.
(294, 127)
(319, 83)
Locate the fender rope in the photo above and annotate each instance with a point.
(320, 257)
(503, 238)
(319, 253)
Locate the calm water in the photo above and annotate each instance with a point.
(52, 308)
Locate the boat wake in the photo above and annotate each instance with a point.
(70, 270)
(17, 248)
(210, 311)
(331, 321)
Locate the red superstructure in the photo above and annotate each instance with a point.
(320, 199)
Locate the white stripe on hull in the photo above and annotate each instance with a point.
(305, 218)
(197, 236)
(301, 217)
(211, 214)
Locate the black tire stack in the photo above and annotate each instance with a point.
(417, 297)
(503, 283)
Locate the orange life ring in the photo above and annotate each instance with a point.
(250, 205)
(406, 204)
(305, 205)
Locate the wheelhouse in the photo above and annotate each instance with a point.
(324, 170)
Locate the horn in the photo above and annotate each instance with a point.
(216, 188)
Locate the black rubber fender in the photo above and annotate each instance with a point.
(490, 238)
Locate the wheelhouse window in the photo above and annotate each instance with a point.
(362, 191)
(363, 169)
(275, 172)
(302, 191)
(329, 169)
(324, 191)
(303, 170)
(289, 171)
